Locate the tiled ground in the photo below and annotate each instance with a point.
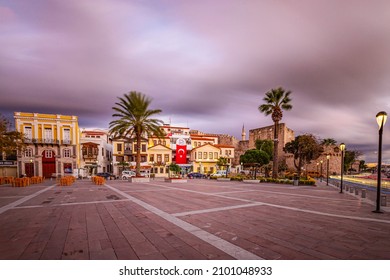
(202, 219)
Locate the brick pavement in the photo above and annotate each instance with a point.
(202, 219)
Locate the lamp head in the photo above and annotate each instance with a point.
(381, 118)
(328, 157)
(342, 147)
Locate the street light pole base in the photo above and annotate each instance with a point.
(378, 211)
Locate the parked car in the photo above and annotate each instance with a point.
(145, 173)
(106, 175)
(194, 175)
(219, 173)
(126, 174)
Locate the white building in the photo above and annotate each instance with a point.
(96, 151)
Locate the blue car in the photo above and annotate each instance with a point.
(196, 175)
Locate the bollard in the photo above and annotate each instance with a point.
(383, 200)
(346, 188)
(351, 190)
(356, 191)
(363, 193)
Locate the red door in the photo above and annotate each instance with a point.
(48, 163)
(29, 169)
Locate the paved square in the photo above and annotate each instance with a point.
(202, 219)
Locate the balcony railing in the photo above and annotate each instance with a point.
(90, 156)
(47, 141)
(42, 141)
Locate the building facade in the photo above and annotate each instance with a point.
(96, 152)
(52, 144)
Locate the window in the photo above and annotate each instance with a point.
(28, 153)
(166, 158)
(210, 155)
(204, 155)
(143, 148)
(48, 135)
(48, 154)
(216, 155)
(119, 147)
(151, 158)
(66, 138)
(159, 158)
(200, 155)
(28, 133)
(102, 152)
(67, 153)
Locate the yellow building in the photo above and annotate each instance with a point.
(124, 153)
(52, 144)
(227, 152)
(160, 157)
(204, 158)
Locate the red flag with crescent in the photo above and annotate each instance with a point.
(181, 152)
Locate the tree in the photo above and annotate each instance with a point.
(174, 168)
(276, 100)
(305, 148)
(135, 120)
(222, 161)
(328, 142)
(349, 159)
(10, 140)
(255, 158)
(266, 146)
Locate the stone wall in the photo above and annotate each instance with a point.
(267, 133)
(315, 166)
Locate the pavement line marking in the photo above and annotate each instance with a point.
(24, 199)
(216, 209)
(287, 207)
(70, 203)
(223, 245)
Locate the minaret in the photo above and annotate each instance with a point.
(243, 134)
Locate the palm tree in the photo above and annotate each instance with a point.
(328, 142)
(276, 100)
(134, 121)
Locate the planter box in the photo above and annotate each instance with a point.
(223, 179)
(139, 179)
(251, 181)
(175, 180)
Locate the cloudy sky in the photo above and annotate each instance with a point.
(206, 64)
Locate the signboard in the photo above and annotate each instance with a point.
(7, 163)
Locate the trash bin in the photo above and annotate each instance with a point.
(296, 181)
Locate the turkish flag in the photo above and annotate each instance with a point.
(181, 154)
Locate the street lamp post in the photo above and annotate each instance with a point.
(327, 169)
(321, 161)
(381, 118)
(342, 148)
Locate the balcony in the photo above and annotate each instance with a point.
(128, 152)
(90, 156)
(66, 142)
(42, 141)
